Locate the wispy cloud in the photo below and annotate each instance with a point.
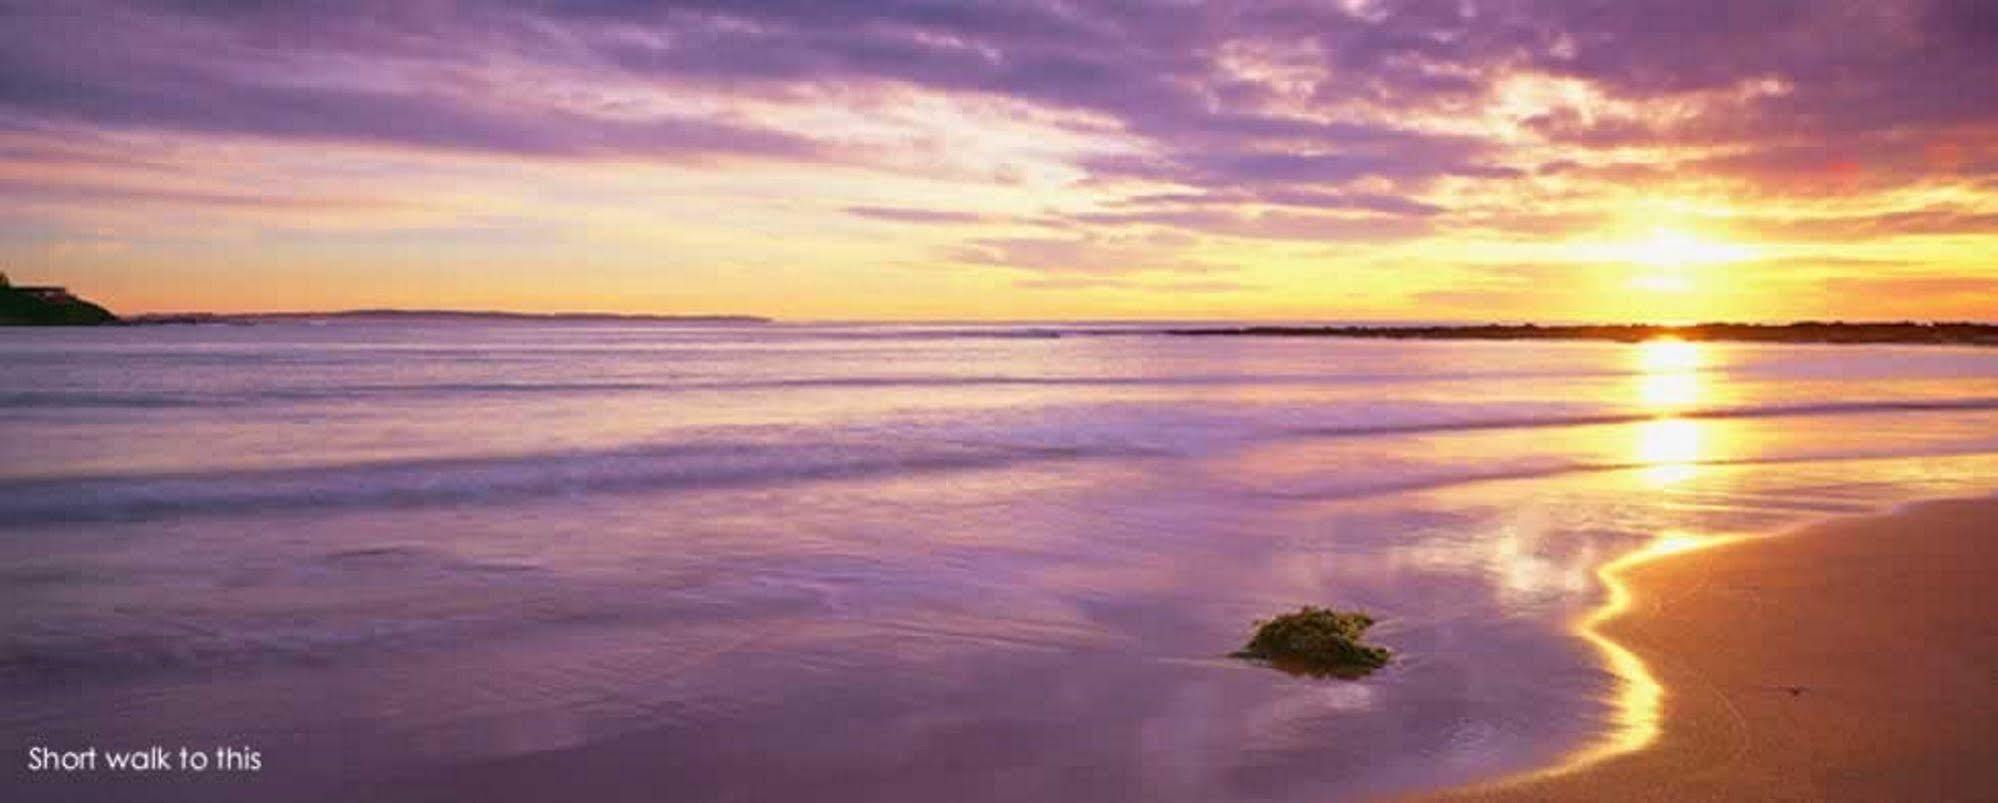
(907, 215)
(1059, 138)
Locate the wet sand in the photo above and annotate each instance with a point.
(1855, 660)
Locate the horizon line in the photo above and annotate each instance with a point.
(1246, 320)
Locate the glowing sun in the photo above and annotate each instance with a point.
(1677, 249)
(1668, 259)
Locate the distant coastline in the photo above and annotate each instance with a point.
(53, 305)
(1973, 334)
(428, 315)
(57, 307)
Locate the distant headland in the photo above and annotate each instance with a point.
(47, 305)
(50, 305)
(432, 315)
(1974, 334)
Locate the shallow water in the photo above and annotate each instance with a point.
(880, 562)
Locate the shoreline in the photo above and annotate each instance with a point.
(1846, 659)
(1942, 333)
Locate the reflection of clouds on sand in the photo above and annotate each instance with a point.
(1177, 742)
(1282, 723)
(1529, 561)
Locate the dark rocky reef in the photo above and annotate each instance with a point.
(1319, 642)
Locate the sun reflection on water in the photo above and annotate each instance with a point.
(1668, 377)
(1669, 382)
(1668, 354)
(1669, 391)
(1669, 449)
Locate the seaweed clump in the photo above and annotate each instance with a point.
(1319, 642)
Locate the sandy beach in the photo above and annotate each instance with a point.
(1852, 660)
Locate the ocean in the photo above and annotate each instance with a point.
(604, 560)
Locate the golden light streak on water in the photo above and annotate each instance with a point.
(1669, 391)
(1639, 698)
(1669, 381)
(1668, 355)
(1669, 448)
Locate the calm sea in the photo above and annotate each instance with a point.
(580, 561)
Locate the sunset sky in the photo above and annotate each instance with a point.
(1615, 160)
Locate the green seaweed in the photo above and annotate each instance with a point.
(1319, 642)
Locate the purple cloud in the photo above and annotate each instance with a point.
(1306, 105)
(255, 74)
